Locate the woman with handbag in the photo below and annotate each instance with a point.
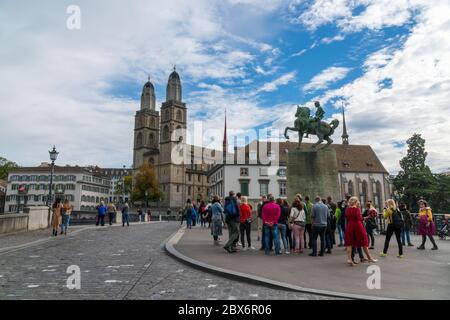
(297, 222)
(56, 216)
(245, 222)
(66, 211)
(370, 215)
(426, 225)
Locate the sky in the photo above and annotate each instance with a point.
(387, 61)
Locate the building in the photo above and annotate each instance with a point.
(259, 168)
(116, 176)
(3, 185)
(85, 187)
(160, 140)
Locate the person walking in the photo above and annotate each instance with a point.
(56, 216)
(149, 215)
(140, 214)
(340, 221)
(426, 225)
(101, 213)
(188, 214)
(203, 214)
(245, 225)
(270, 216)
(355, 234)
(395, 224)
(125, 214)
(297, 220)
(370, 222)
(282, 224)
(65, 215)
(232, 216)
(307, 206)
(407, 218)
(319, 216)
(217, 219)
(111, 209)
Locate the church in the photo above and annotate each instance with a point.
(160, 140)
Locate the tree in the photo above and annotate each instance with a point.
(415, 181)
(440, 198)
(124, 186)
(145, 185)
(5, 167)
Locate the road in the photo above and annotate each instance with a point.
(115, 263)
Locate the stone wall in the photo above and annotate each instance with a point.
(10, 223)
(38, 217)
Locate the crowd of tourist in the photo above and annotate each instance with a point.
(303, 224)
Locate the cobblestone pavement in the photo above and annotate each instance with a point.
(115, 263)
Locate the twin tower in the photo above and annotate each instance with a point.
(154, 139)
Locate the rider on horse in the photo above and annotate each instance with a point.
(318, 118)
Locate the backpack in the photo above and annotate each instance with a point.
(397, 219)
(230, 209)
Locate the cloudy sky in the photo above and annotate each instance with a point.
(389, 60)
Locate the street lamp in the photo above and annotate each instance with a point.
(53, 156)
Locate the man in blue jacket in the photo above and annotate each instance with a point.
(232, 215)
(101, 210)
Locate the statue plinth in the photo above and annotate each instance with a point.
(313, 173)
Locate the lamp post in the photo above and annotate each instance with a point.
(53, 156)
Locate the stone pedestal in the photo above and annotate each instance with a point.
(312, 173)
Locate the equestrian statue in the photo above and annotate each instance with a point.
(305, 124)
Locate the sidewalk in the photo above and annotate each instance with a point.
(420, 275)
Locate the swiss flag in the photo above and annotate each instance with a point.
(22, 188)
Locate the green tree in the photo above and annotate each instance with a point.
(415, 181)
(145, 185)
(440, 198)
(5, 167)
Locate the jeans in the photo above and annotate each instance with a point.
(318, 232)
(263, 241)
(341, 234)
(65, 222)
(245, 228)
(188, 223)
(125, 218)
(369, 231)
(100, 220)
(360, 253)
(289, 238)
(328, 240)
(233, 235)
(271, 232)
(308, 229)
(405, 236)
(389, 232)
(299, 233)
(282, 232)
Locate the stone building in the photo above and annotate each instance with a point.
(85, 187)
(160, 140)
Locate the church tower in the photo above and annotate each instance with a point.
(171, 169)
(344, 130)
(146, 129)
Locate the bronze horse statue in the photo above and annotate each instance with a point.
(304, 123)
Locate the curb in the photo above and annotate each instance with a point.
(235, 275)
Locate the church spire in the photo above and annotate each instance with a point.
(225, 139)
(173, 92)
(344, 127)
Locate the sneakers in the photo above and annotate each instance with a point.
(382, 254)
(401, 256)
(421, 247)
(252, 248)
(239, 244)
(287, 252)
(434, 248)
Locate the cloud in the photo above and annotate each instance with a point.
(280, 81)
(327, 40)
(326, 77)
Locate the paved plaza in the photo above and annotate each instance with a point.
(420, 275)
(115, 263)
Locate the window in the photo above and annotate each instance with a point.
(179, 115)
(139, 139)
(244, 172)
(166, 115)
(189, 177)
(350, 188)
(282, 188)
(244, 188)
(253, 155)
(364, 192)
(166, 133)
(178, 188)
(151, 139)
(189, 190)
(199, 178)
(263, 188)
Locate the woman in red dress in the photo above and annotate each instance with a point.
(355, 234)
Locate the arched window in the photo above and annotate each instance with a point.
(166, 114)
(179, 115)
(364, 192)
(139, 139)
(166, 133)
(377, 195)
(151, 139)
(350, 188)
